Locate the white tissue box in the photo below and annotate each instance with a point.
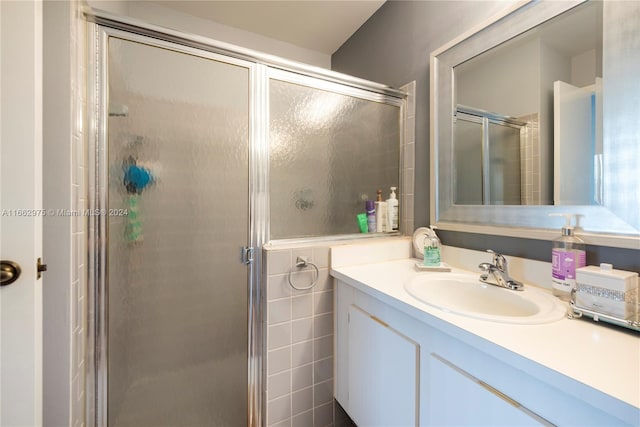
(607, 291)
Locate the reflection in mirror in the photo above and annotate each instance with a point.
(487, 157)
(609, 206)
(528, 116)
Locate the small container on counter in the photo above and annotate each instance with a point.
(607, 291)
(432, 249)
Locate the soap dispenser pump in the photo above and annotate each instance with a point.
(567, 254)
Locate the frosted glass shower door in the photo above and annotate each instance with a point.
(467, 162)
(486, 160)
(504, 160)
(178, 191)
(329, 152)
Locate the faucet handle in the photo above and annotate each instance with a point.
(499, 260)
(485, 267)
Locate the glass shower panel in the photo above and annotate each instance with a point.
(504, 164)
(328, 154)
(178, 138)
(467, 162)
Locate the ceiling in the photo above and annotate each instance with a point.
(322, 26)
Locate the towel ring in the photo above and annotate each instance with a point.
(302, 262)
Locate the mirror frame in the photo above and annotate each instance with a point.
(617, 222)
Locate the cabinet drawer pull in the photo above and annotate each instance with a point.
(498, 393)
(374, 318)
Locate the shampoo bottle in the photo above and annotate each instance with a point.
(381, 214)
(371, 215)
(392, 206)
(567, 254)
(432, 249)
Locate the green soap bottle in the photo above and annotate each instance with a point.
(432, 249)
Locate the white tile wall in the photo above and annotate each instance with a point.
(79, 228)
(299, 331)
(407, 182)
(299, 339)
(530, 161)
(65, 237)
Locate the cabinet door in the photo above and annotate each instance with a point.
(383, 372)
(457, 398)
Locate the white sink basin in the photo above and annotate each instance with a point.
(464, 294)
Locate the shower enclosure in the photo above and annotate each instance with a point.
(183, 152)
(487, 158)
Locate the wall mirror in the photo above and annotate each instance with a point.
(529, 116)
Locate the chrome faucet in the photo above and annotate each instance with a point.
(499, 272)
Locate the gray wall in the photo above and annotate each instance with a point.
(393, 47)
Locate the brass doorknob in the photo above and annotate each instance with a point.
(9, 272)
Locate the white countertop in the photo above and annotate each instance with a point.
(604, 357)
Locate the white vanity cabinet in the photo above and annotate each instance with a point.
(380, 397)
(395, 367)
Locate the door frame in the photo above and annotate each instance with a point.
(21, 121)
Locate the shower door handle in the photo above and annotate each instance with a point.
(247, 255)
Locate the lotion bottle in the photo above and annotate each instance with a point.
(392, 206)
(381, 214)
(567, 254)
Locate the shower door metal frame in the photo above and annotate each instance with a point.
(136, 26)
(97, 310)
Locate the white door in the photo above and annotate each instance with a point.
(573, 144)
(20, 204)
